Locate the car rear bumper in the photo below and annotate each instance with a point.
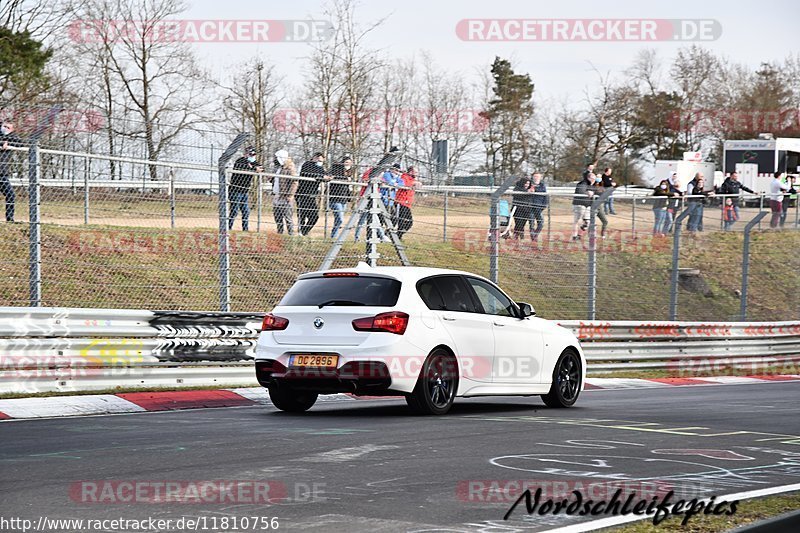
(357, 377)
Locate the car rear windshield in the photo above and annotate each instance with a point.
(343, 291)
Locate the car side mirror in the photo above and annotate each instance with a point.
(526, 310)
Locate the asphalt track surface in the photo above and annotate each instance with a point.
(370, 466)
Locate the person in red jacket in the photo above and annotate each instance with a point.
(404, 200)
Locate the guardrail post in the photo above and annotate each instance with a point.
(592, 259)
(494, 232)
(746, 264)
(34, 204)
(676, 242)
(224, 238)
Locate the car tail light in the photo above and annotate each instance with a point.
(274, 323)
(340, 275)
(394, 322)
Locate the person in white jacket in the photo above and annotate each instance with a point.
(776, 190)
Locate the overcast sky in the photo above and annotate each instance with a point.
(752, 32)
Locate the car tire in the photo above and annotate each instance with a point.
(290, 400)
(566, 386)
(436, 386)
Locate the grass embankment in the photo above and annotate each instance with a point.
(747, 512)
(123, 267)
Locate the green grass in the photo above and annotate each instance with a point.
(124, 267)
(747, 512)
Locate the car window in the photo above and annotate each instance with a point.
(343, 291)
(494, 302)
(430, 295)
(454, 293)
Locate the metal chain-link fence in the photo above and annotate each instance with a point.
(114, 228)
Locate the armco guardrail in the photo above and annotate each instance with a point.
(51, 349)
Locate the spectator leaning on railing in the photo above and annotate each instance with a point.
(697, 199)
(522, 205)
(405, 199)
(283, 190)
(8, 139)
(674, 204)
(339, 193)
(307, 192)
(776, 190)
(731, 188)
(581, 203)
(789, 199)
(661, 194)
(240, 187)
(540, 202)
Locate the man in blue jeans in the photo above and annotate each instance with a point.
(8, 139)
(240, 187)
(339, 192)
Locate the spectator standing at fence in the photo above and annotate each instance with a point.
(538, 205)
(405, 199)
(729, 214)
(283, 190)
(581, 203)
(599, 189)
(362, 219)
(522, 205)
(674, 203)
(776, 191)
(588, 170)
(8, 140)
(661, 197)
(789, 198)
(339, 193)
(609, 183)
(731, 188)
(307, 192)
(240, 187)
(697, 199)
(391, 180)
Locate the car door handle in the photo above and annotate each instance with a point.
(500, 324)
(449, 318)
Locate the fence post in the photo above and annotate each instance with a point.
(676, 241)
(633, 218)
(444, 221)
(172, 197)
(746, 264)
(34, 204)
(760, 208)
(592, 259)
(326, 199)
(494, 236)
(259, 194)
(86, 167)
(224, 249)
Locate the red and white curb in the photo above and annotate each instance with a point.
(136, 402)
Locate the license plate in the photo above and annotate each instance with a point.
(321, 361)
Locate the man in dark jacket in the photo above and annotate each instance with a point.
(608, 183)
(539, 204)
(240, 187)
(308, 190)
(581, 203)
(339, 193)
(8, 139)
(731, 188)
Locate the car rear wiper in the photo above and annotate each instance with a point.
(339, 302)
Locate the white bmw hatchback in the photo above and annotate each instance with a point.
(427, 334)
